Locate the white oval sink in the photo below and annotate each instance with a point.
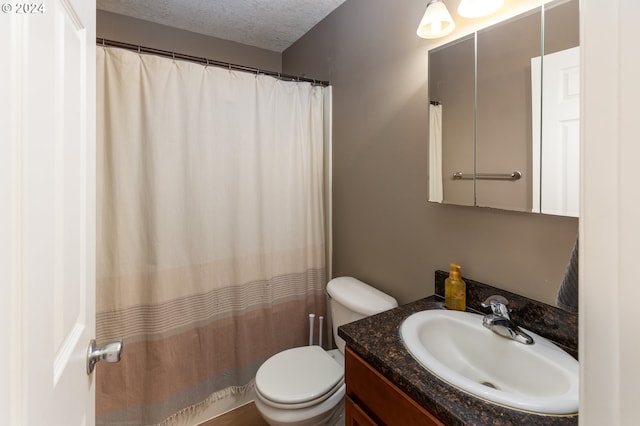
(454, 345)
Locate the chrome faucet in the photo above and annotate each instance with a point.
(499, 321)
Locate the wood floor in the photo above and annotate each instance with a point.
(247, 415)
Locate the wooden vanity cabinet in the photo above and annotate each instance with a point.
(373, 400)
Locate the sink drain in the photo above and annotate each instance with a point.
(489, 385)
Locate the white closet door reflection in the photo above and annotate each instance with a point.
(556, 184)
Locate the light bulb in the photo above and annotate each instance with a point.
(478, 8)
(436, 28)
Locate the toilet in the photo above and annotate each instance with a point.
(304, 386)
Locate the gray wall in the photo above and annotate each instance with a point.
(385, 232)
(149, 34)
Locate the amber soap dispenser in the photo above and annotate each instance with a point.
(455, 290)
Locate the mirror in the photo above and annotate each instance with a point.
(500, 133)
(452, 110)
(558, 102)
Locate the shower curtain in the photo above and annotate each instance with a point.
(210, 230)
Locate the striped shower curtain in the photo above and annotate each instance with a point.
(210, 230)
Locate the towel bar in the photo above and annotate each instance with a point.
(489, 176)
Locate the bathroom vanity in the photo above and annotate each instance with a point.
(386, 385)
(373, 399)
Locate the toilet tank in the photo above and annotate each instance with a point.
(351, 300)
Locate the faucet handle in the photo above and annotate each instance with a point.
(495, 299)
(498, 305)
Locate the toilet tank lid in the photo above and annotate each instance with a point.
(359, 297)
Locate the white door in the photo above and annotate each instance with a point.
(47, 217)
(556, 182)
(561, 133)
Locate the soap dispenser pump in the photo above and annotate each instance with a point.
(455, 290)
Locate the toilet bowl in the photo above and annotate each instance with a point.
(304, 386)
(310, 394)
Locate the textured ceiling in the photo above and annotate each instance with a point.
(269, 24)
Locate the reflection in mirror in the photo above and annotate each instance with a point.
(452, 93)
(493, 114)
(556, 182)
(504, 137)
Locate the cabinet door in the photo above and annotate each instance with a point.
(503, 108)
(355, 416)
(380, 398)
(452, 85)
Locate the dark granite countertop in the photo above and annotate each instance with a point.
(377, 340)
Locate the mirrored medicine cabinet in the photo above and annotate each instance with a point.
(504, 114)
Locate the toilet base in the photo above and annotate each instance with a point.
(331, 415)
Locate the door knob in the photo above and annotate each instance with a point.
(111, 352)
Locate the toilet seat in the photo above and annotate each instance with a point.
(298, 378)
(337, 388)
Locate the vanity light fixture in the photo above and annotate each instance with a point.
(478, 8)
(436, 22)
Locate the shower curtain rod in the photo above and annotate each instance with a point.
(204, 61)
